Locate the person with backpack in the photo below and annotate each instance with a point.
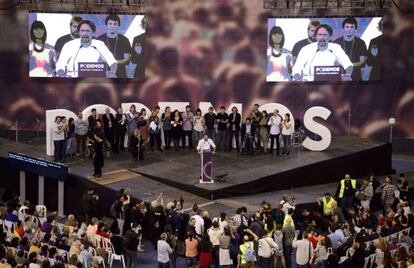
(304, 249)
(266, 250)
(247, 253)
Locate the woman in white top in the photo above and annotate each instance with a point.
(198, 125)
(287, 130)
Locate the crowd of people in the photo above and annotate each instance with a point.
(137, 131)
(344, 231)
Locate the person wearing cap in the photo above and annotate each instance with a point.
(247, 243)
(326, 203)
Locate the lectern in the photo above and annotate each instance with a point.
(206, 167)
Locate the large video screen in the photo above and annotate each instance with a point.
(324, 49)
(87, 45)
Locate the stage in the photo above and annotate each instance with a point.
(244, 174)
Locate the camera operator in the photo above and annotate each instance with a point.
(90, 204)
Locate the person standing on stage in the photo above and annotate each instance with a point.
(92, 119)
(120, 130)
(206, 144)
(210, 120)
(131, 116)
(166, 127)
(199, 125)
(255, 117)
(222, 119)
(188, 119)
(117, 44)
(353, 46)
(81, 133)
(287, 131)
(275, 123)
(136, 145)
(234, 128)
(98, 140)
(109, 126)
(154, 131)
(58, 139)
(177, 129)
(311, 39)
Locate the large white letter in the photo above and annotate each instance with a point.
(317, 128)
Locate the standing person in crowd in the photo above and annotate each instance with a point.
(210, 120)
(98, 140)
(132, 242)
(81, 133)
(92, 119)
(278, 238)
(326, 204)
(58, 139)
(264, 131)
(222, 119)
(163, 250)
(191, 251)
(287, 131)
(120, 130)
(154, 131)
(289, 234)
(247, 254)
(365, 193)
(214, 233)
(136, 145)
(65, 130)
(266, 250)
(188, 119)
(166, 127)
(304, 249)
(108, 121)
(90, 204)
(131, 117)
(225, 260)
(388, 194)
(402, 186)
(346, 193)
(70, 138)
(142, 124)
(205, 254)
(255, 117)
(177, 129)
(234, 128)
(275, 123)
(199, 125)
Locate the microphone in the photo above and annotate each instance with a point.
(74, 59)
(311, 61)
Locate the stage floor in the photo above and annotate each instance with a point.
(246, 174)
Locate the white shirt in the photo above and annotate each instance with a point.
(73, 53)
(163, 250)
(205, 145)
(274, 123)
(56, 129)
(266, 247)
(302, 250)
(310, 56)
(199, 223)
(286, 206)
(287, 131)
(214, 235)
(81, 126)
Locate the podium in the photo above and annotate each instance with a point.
(206, 167)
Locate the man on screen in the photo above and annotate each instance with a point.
(321, 53)
(74, 34)
(117, 43)
(311, 39)
(353, 46)
(82, 50)
(373, 68)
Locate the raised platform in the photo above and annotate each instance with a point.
(248, 174)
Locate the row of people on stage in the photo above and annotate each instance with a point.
(82, 46)
(318, 49)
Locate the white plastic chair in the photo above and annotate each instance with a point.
(9, 227)
(349, 252)
(114, 256)
(41, 211)
(22, 213)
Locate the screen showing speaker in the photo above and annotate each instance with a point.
(324, 49)
(81, 45)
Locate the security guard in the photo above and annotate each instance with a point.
(346, 192)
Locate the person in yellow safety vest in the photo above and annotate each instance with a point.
(246, 250)
(326, 203)
(346, 192)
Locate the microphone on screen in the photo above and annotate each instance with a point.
(74, 59)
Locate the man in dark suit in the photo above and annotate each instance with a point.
(109, 127)
(92, 119)
(234, 128)
(247, 131)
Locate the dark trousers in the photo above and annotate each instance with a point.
(131, 258)
(266, 262)
(163, 265)
(109, 136)
(221, 139)
(81, 143)
(235, 134)
(287, 251)
(211, 132)
(248, 145)
(167, 138)
(98, 170)
(60, 149)
(347, 202)
(189, 134)
(155, 139)
(119, 140)
(272, 143)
